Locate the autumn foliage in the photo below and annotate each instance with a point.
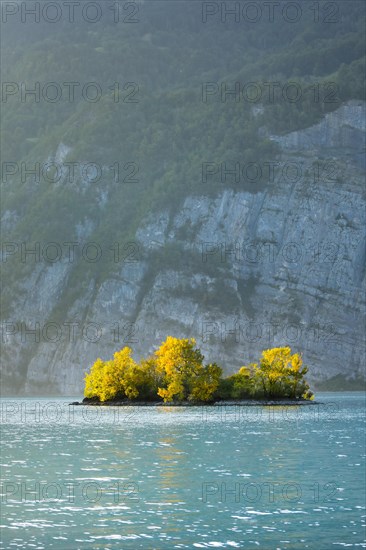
(176, 372)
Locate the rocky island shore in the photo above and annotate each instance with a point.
(242, 403)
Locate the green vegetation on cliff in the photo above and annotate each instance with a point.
(160, 123)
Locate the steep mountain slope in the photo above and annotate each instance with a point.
(163, 240)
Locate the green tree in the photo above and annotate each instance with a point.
(241, 384)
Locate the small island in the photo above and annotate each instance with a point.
(175, 374)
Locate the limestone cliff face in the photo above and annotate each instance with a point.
(241, 271)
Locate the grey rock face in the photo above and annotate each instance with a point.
(344, 128)
(240, 272)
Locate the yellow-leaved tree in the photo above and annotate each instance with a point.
(206, 383)
(176, 372)
(127, 374)
(280, 374)
(185, 377)
(108, 379)
(94, 380)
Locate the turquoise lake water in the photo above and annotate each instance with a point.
(163, 478)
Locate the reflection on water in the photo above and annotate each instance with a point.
(129, 477)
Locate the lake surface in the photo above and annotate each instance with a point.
(163, 478)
